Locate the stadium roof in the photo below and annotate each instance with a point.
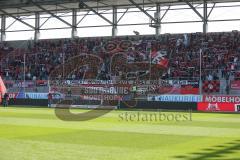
(30, 6)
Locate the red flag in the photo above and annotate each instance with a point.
(3, 89)
(163, 63)
(159, 59)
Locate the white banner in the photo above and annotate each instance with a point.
(175, 98)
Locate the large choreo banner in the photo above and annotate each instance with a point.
(107, 89)
(94, 89)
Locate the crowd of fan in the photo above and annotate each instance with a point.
(99, 58)
(219, 52)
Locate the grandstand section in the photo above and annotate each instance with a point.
(167, 57)
(114, 67)
(119, 79)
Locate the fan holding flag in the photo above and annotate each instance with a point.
(3, 91)
(159, 58)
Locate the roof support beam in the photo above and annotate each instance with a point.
(211, 10)
(37, 26)
(205, 16)
(164, 14)
(53, 15)
(194, 9)
(115, 21)
(45, 21)
(16, 18)
(141, 9)
(158, 18)
(74, 23)
(82, 18)
(91, 9)
(10, 25)
(122, 15)
(3, 28)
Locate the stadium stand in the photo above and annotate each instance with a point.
(220, 57)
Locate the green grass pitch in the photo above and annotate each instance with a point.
(37, 134)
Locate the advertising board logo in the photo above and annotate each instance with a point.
(237, 107)
(213, 107)
(210, 86)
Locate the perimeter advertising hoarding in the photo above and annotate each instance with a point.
(176, 98)
(28, 95)
(220, 103)
(221, 99)
(218, 107)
